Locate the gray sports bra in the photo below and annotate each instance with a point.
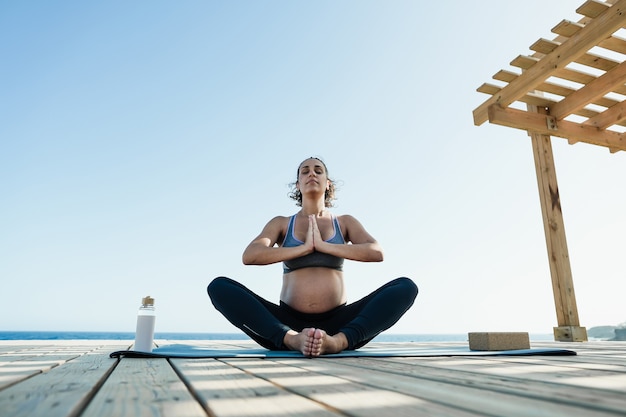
(316, 258)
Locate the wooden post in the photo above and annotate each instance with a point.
(568, 329)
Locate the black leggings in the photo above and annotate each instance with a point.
(267, 323)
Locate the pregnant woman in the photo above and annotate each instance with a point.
(313, 316)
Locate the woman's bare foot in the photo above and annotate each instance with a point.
(333, 344)
(315, 342)
(305, 341)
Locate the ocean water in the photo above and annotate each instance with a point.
(384, 337)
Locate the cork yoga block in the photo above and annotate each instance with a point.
(498, 341)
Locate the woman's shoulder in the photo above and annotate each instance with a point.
(346, 218)
(275, 229)
(348, 224)
(280, 222)
(281, 218)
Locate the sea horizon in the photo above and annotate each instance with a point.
(104, 335)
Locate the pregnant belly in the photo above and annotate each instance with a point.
(313, 290)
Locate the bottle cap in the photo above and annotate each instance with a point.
(147, 301)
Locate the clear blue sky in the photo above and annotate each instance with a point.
(144, 144)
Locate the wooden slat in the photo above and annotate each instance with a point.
(574, 384)
(592, 8)
(550, 381)
(524, 62)
(544, 46)
(567, 28)
(321, 382)
(62, 391)
(614, 44)
(596, 61)
(582, 78)
(144, 387)
(456, 391)
(20, 367)
(228, 391)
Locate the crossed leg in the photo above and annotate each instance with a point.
(271, 325)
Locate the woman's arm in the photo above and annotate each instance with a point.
(363, 247)
(262, 250)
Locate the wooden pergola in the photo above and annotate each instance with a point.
(572, 87)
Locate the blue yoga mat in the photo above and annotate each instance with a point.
(191, 351)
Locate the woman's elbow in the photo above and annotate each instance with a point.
(377, 254)
(248, 258)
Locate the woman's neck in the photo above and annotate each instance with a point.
(317, 208)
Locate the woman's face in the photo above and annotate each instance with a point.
(312, 173)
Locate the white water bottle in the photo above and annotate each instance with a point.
(146, 316)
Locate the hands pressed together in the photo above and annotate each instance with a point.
(313, 241)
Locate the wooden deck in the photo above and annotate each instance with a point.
(77, 378)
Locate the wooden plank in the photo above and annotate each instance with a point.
(597, 62)
(24, 367)
(606, 381)
(592, 8)
(228, 391)
(524, 380)
(614, 44)
(572, 131)
(12, 350)
(60, 392)
(435, 395)
(555, 370)
(143, 387)
(567, 28)
(577, 76)
(556, 242)
(325, 382)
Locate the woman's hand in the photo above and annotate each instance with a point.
(362, 246)
(313, 235)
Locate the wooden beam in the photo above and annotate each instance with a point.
(590, 92)
(611, 116)
(556, 243)
(599, 28)
(536, 99)
(548, 125)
